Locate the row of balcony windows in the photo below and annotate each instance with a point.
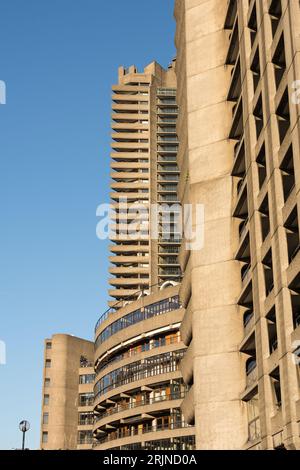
(143, 346)
(148, 367)
(144, 399)
(157, 308)
(176, 443)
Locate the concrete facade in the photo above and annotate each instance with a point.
(238, 127)
(199, 348)
(67, 403)
(144, 173)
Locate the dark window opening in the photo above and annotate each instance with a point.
(275, 380)
(258, 115)
(292, 234)
(265, 218)
(255, 69)
(261, 166)
(275, 12)
(279, 61)
(252, 25)
(283, 116)
(288, 173)
(268, 272)
(272, 330)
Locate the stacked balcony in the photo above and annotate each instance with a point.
(130, 191)
(167, 179)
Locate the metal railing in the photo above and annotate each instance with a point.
(143, 402)
(165, 363)
(119, 434)
(134, 352)
(112, 310)
(166, 91)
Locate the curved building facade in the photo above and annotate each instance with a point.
(138, 387)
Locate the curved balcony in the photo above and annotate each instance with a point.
(137, 372)
(146, 404)
(148, 433)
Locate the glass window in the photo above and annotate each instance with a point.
(46, 399)
(45, 418)
(86, 399)
(86, 378)
(45, 437)
(48, 363)
(48, 345)
(47, 382)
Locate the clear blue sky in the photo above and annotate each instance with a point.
(58, 59)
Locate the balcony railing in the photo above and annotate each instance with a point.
(113, 309)
(119, 434)
(168, 249)
(167, 139)
(135, 352)
(252, 376)
(166, 91)
(174, 178)
(143, 402)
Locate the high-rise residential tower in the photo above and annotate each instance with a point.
(138, 347)
(144, 174)
(237, 68)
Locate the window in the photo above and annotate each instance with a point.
(45, 437)
(132, 318)
(48, 363)
(253, 419)
(47, 382)
(160, 364)
(86, 378)
(45, 418)
(86, 418)
(46, 399)
(86, 399)
(48, 345)
(85, 437)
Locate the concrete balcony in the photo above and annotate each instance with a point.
(128, 166)
(129, 248)
(130, 145)
(121, 98)
(128, 259)
(129, 126)
(186, 328)
(130, 158)
(122, 293)
(188, 407)
(129, 136)
(155, 434)
(130, 89)
(128, 281)
(125, 269)
(130, 107)
(186, 286)
(186, 365)
(134, 196)
(128, 117)
(132, 185)
(129, 175)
